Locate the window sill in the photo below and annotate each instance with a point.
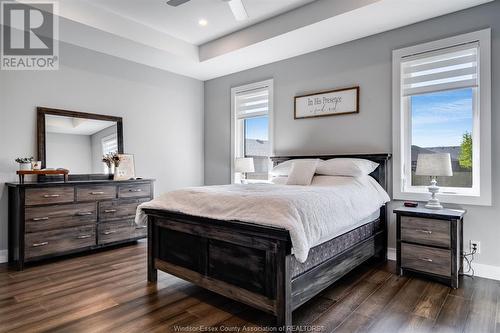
(459, 199)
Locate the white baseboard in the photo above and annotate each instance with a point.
(481, 270)
(3, 256)
(485, 271)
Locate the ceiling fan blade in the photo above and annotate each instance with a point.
(238, 9)
(175, 3)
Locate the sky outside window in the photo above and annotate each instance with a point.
(441, 119)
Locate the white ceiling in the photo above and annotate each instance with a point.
(76, 126)
(152, 33)
(182, 21)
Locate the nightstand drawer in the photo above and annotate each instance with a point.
(426, 259)
(425, 231)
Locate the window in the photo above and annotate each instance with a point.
(109, 144)
(442, 104)
(252, 127)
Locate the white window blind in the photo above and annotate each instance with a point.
(109, 144)
(445, 69)
(252, 103)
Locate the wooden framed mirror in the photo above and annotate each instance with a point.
(77, 141)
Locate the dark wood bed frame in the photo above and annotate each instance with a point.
(252, 263)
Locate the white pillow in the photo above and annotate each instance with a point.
(302, 172)
(354, 167)
(283, 169)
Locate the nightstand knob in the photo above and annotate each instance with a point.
(424, 231)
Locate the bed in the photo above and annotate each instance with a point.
(254, 263)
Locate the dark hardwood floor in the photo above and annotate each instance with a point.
(108, 292)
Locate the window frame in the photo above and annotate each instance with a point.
(235, 128)
(480, 194)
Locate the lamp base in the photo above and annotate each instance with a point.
(433, 204)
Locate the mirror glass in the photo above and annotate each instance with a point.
(78, 144)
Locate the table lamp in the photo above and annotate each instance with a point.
(434, 165)
(244, 165)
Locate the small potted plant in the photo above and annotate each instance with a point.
(108, 160)
(24, 163)
(112, 161)
(116, 160)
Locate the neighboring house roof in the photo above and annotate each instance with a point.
(454, 151)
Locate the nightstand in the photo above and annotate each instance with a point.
(430, 243)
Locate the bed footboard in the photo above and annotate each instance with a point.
(241, 261)
(245, 262)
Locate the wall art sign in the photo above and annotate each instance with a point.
(126, 168)
(327, 103)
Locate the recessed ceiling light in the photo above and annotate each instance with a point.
(202, 22)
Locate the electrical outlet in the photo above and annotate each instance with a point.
(475, 245)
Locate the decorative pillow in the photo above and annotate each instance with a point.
(302, 172)
(354, 167)
(283, 169)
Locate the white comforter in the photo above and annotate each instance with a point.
(312, 214)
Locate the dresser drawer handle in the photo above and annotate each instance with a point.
(97, 193)
(45, 218)
(424, 231)
(109, 232)
(83, 236)
(110, 210)
(142, 227)
(40, 244)
(135, 190)
(426, 259)
(84, 213)
(51, 195)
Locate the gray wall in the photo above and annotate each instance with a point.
(162, 115)
(96, 142)
(367, 63)
(69, 151)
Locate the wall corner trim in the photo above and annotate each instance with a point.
(3, 256)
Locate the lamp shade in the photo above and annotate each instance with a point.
(244, 164)
(434, 165)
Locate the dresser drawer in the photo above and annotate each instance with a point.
(50, 195)
(134, 190)
(426, 259)
(119, 209)
(115, 231)
(425, 231)
(59, 216)
(89, 193)
(61, 240)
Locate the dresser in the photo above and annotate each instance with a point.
(430, 243)
(58, 218)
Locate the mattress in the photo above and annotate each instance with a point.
(311, 214)
(321, 253)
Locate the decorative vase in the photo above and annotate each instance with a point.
(110, 169)
(25, 166)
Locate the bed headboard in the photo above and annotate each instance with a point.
(380, 174)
